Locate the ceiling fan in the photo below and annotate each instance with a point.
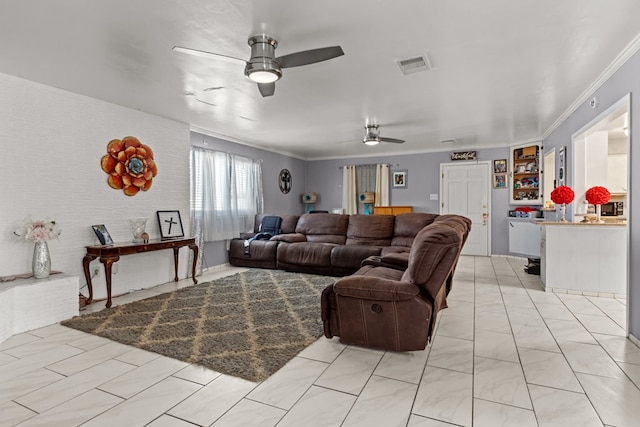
(372, 136)
(263, 67)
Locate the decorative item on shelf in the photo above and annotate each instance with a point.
(368, 197)
(526, 212)
(598, 196)
(145, 237)
(561, 196)
(308, 199)
(137, 228)
(39, 232)
(130, 165)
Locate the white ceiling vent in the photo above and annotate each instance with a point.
(414, 65)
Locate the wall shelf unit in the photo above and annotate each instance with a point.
(525, 175)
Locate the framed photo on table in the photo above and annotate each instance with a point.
(399, 179)
(103, 234)
(170, 224)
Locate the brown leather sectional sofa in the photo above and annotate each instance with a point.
(329, 244)
(399, 270)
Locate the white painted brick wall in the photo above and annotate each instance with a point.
(33, 303)
(52, 142)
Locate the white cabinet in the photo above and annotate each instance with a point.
(584, 258)
(617, 173)
(524, 237)
(524, 175)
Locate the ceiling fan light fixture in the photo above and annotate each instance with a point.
(262, 67)
(263, 76)
(371, 141)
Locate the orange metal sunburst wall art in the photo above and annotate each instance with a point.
(130, 165)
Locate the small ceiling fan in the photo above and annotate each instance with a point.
(372, 136)
(263, 67)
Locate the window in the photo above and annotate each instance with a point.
(226, 193)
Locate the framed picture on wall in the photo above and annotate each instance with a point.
(500, 166)
(399, 179)
(500, 180)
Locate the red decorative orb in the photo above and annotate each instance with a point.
(597, 195)
(562, 194)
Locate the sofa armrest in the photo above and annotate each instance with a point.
(397, 261)
(290, 238)
(375, 288)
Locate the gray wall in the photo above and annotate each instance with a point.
(215, 253)
(625, 80)
(325, 178)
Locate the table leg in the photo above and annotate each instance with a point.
(175, 263)
(87, 275)
(108, 262)
(195, 250)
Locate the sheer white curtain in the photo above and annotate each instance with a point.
(382, 185)
(365, 181)
(349, 190)
(361, 178)
(226, 193)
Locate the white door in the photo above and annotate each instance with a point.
(465, 191)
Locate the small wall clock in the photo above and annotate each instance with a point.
(284, 181)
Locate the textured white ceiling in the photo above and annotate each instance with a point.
(503, 71)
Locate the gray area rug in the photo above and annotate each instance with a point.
(247, 325)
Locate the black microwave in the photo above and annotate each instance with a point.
(612, 209)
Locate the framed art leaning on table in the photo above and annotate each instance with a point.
(170, 224)
(103, 234)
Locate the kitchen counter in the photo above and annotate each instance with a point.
(586, 258)
(609, 223)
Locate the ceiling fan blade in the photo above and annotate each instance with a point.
(205, 54)
(307, 57)
(267, 89)
(393, 140)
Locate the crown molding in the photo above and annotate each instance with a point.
(618, 62)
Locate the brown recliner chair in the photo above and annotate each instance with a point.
(390, 309)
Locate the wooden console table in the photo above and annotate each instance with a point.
(391, 210)
(109, 254)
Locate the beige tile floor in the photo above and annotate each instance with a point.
(504, 353)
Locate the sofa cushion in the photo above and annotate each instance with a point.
(351, 256)
(407, 225)
(305, 253)
(324, 228)
(262, 254)
(373, 230)
(387, 250)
